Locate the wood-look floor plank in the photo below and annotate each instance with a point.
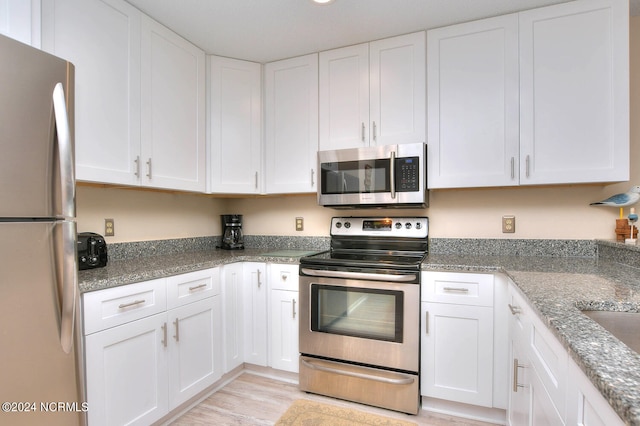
(253, 399)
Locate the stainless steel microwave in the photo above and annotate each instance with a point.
(374, 177)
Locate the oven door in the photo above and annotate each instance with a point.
(390, 175)
(361, 320)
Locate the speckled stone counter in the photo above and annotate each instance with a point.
(557, 288)
(556, 284)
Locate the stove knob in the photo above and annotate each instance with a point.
(398, 225)
(347, 225)
(407, 225)
(338, 225)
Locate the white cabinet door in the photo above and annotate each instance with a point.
(127, 373)
(457, 353)
(102, 39)
(291, 110)
(255, 313)
(173, 110)
(574, 93)
(195, 358)
(284, 330)
(235, 99)
(344, 97)
(397, 84)
(585, 405)
(232, 315)
(20, 20)
(472, 90)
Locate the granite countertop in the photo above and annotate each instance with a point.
(556, 287)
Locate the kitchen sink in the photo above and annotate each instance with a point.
(624, 325)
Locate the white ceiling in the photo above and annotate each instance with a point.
(268, 30)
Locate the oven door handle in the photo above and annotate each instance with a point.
(406, 380)
(360, 275)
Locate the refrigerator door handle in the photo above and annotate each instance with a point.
(68, 294)
(65, 150)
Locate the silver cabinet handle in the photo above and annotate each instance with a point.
(127, 305)
(362, 132)
(375, 132)
(196, 287)
(426, 322)
(284, 277)
(459, 289)
(313, 177)
(293, 308)
(516, 365)
(256, 180)
(149, 168)
(406, 380)
(527, 164)
(259, 278)
(514, 309)
(513, 168)
(177, 324)
(137, 161)
(164, 334)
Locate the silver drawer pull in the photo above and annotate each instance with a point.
(196, 287)
(514, 309)
(127, 305)
(460, 289)
(177, 324)
(517, 365)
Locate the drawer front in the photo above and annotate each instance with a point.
(192, 286)
(457, 288)
(283, 276)
(115, 306)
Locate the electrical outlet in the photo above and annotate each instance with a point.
(299, 224)
(109, 228)
(508, 224)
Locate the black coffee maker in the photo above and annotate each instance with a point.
(232, 238)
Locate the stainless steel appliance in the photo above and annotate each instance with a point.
(41, 356)
(383, 176)
(359, 312)
(232, 237)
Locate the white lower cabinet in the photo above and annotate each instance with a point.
(233, 315)
(255, 313)
(284, 308)
(141, 364)
(548, 388)
(457, 337)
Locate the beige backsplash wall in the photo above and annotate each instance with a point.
(541, 212)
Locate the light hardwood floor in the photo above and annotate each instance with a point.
(254, 399)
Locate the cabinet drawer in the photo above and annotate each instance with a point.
(107, 308)
(457, 288)
(283, 276)
(192, 286)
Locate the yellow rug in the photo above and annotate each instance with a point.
(309, 413)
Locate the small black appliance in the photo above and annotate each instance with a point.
(232, 238)
(92, 251)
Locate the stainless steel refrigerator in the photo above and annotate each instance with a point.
(41, 373)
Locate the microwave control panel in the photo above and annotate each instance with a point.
(407, 174)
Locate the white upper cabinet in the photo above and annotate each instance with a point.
(102, 39)
(140, 95)
(544, 100)
(20, 20)
(472, 86)
(235, 98)
(173, 110)
(291, 139)
(373, 93)
(574, 93)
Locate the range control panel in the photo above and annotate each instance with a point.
(407, 227)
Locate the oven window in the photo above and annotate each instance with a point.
(360, 312)
(355, 177)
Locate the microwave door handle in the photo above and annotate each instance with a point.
(392, 178)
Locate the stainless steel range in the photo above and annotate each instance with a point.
(359, 312)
